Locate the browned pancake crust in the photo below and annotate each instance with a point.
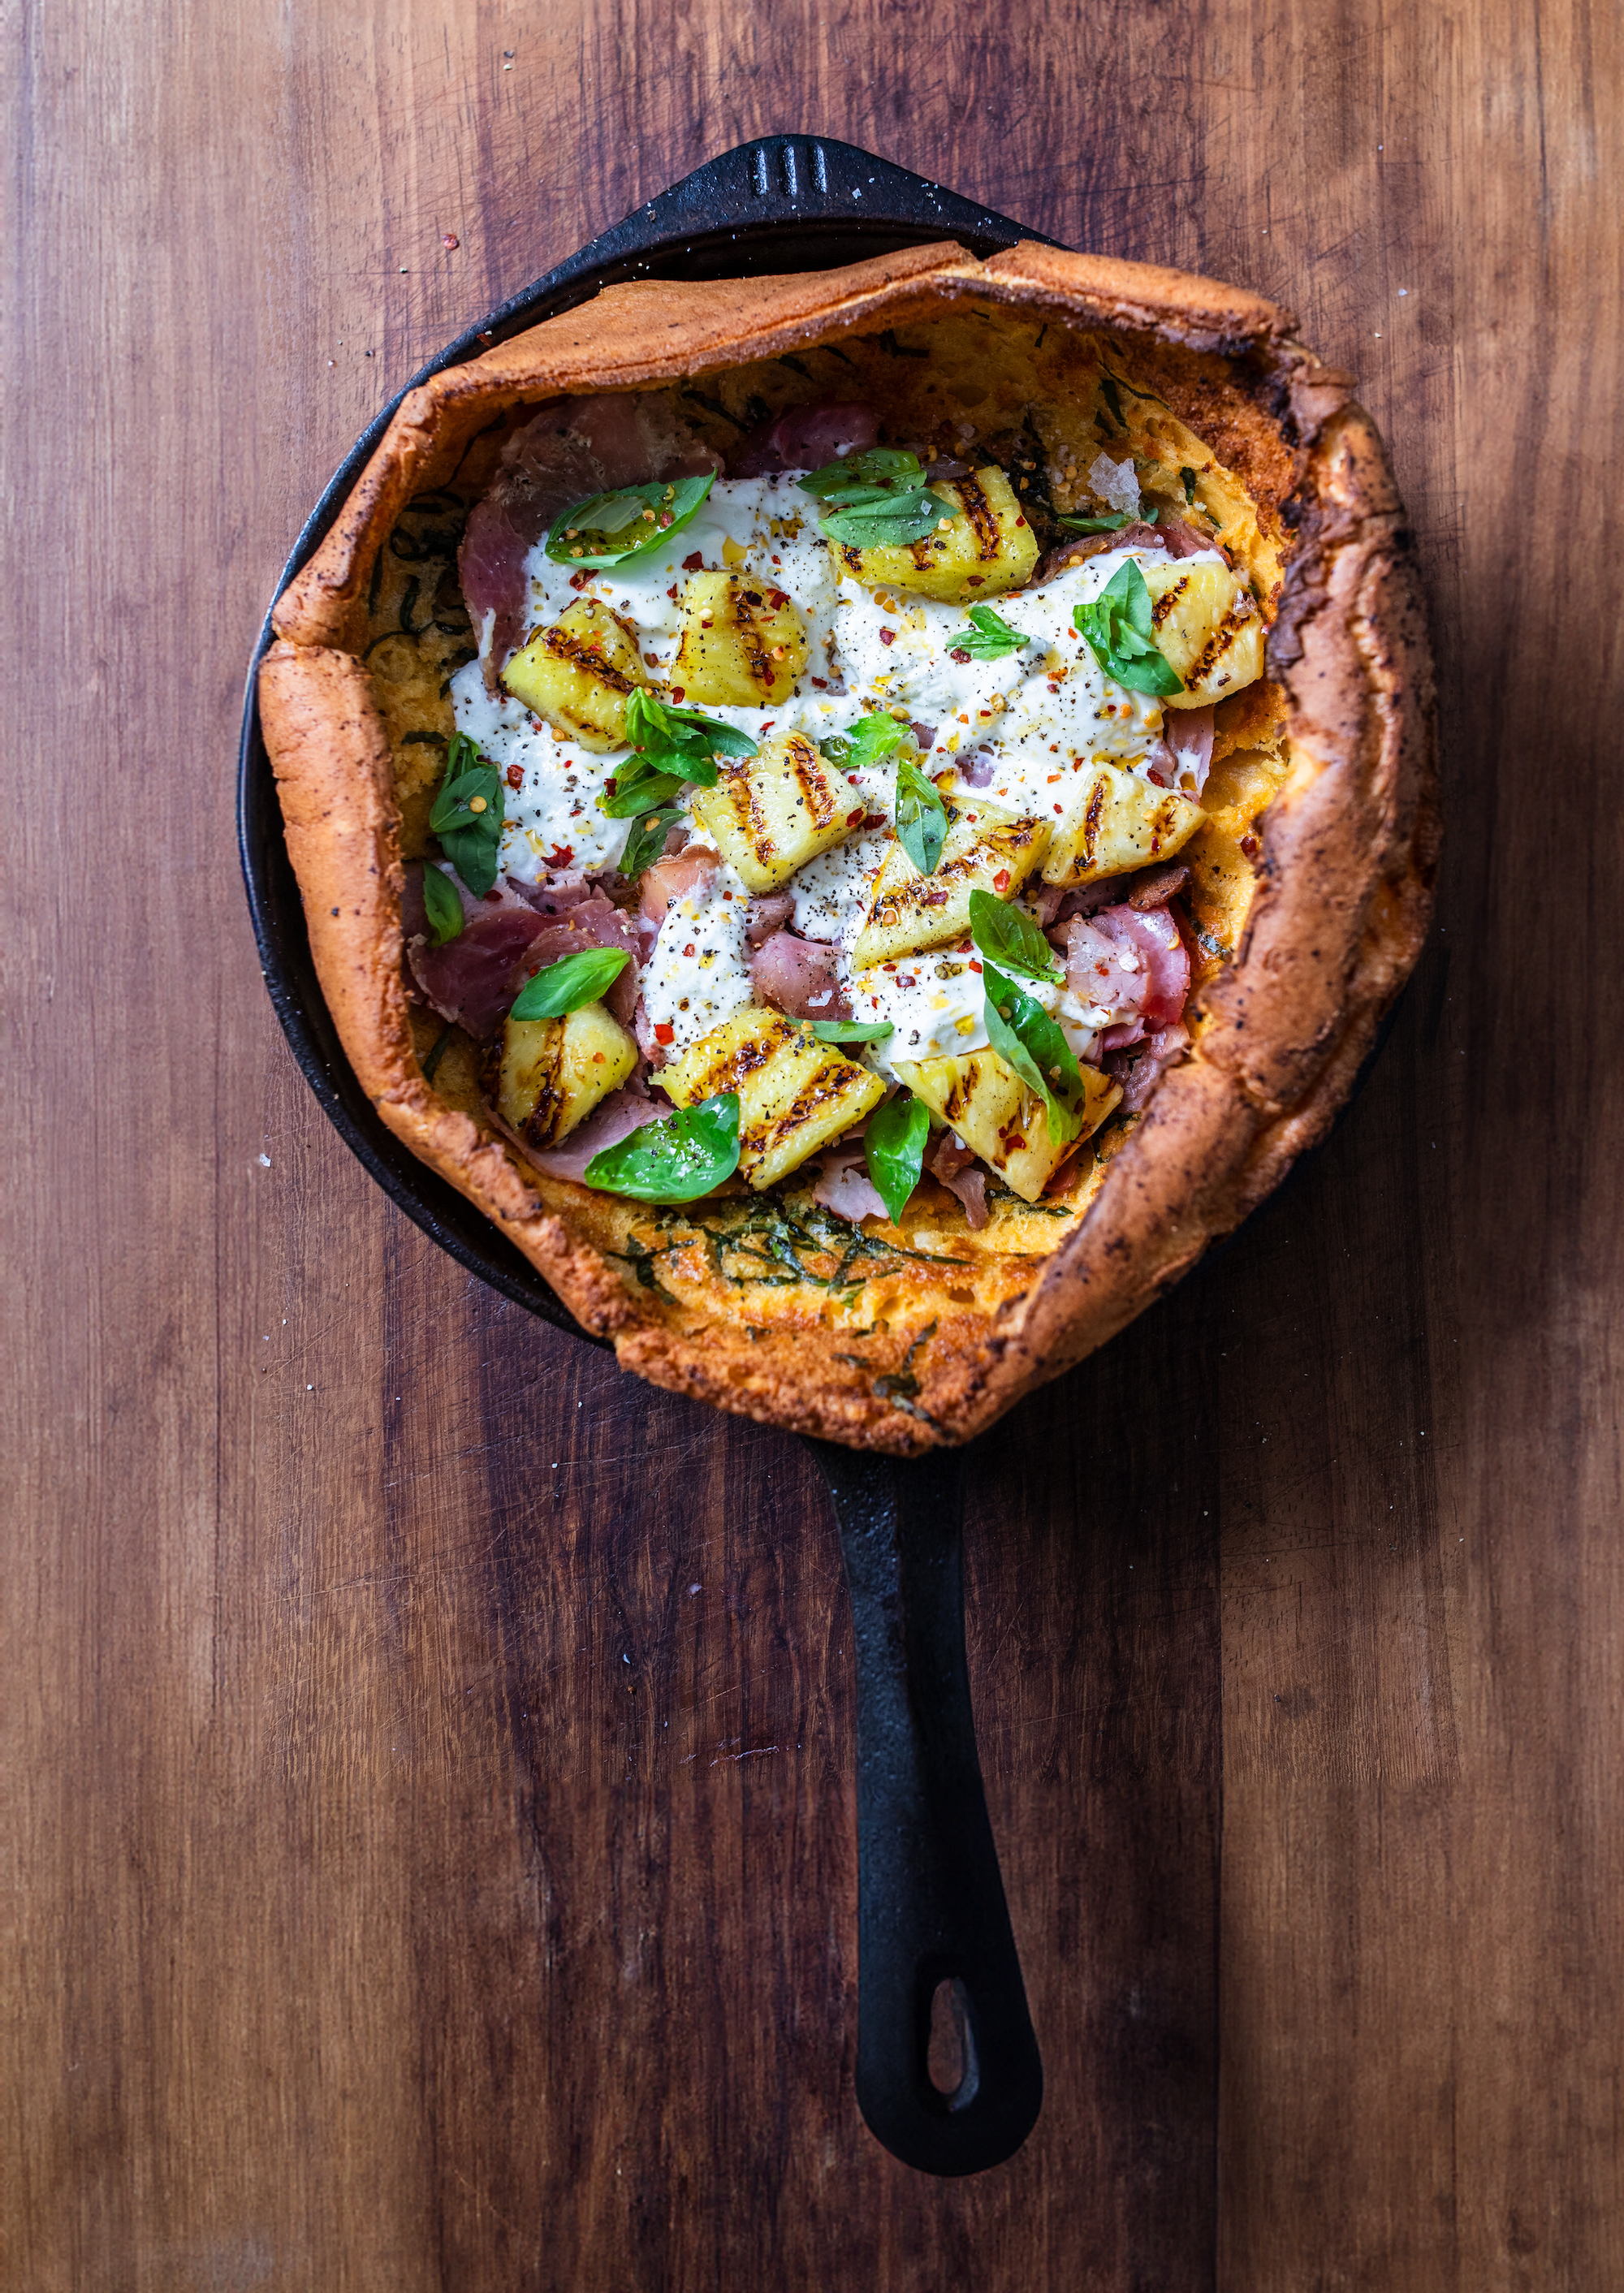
(1348, 847)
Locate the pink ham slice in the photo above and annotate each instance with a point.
(675, 878)
(955, 1166)
(475, 978)
(577, 447)
(768, 914)
(613, 1119)
(804, 438)
(1188, 735)
(844, 1185)
(1140, 1074)
(800, 977)
(1151, 992)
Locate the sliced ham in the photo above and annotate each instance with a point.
(954, 1164)
(612, 1118)
(1140, 1074)
(594, 922)
(768, 914)
(1154, 982)
(1165, 959)
(799, 976)
(844, 1185)
(576, 447)
(473, 978)
(1057, 561)
(1158, 886)
(1178, 539)
(804, 438)
(675, 878)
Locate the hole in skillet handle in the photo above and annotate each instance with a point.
(783, 203)
(949, 2077)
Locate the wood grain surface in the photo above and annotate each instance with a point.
(428, 1834)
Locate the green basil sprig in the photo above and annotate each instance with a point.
(646, 841)
(875, 498)
(675, 1161)
(864, 743)
(852, 1031)
(1008, 938)
(1188, 476)
(673, 749)
(991, 638)
(921, 816)
(1112, 521)
(608, 529)
(894, 1148)
(570, 982)
(1024, 1036)
(444, 908)
(466, 815)
(1119, 632)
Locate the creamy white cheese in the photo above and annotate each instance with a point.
(1042, 716)
(699, 973)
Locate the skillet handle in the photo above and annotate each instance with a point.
(930, 1901)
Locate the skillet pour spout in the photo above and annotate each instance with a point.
(934, 1938)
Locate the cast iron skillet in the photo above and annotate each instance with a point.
(931, 1909)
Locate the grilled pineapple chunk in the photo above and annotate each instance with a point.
(777, 810)
(1116, 821)
(986, 851)
(795, 1093)
(984, 545)
(743, 644)
(1209, 627)
(578, 675)
(555, 1071)
(999, 1119)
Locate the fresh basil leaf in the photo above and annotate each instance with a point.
(1119, 632)
(589, 532)
(1008, 938)
(654, 725)
(886, 521)
(921, 815)
(852, 1031)
(1112, 521)
(1188, 476)
(991, 637)
(565, 985)
(674, 1160)
(637, 788)
(646, 841)
(865, 742)
(875, 498)
(1026, 1039)
(894, 1148)
(444, 908)
(875, 466)
(466, 815)
(466, 801)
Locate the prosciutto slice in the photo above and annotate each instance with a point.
(1131, 962)
(612, 1118)
(577, 447)
(1187, 733)
(804, 438)
(955, 1166)
(799, 976)
(844, 1185)
(1140, 1074)
(475, 978)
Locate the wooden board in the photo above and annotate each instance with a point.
(428, 1755)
